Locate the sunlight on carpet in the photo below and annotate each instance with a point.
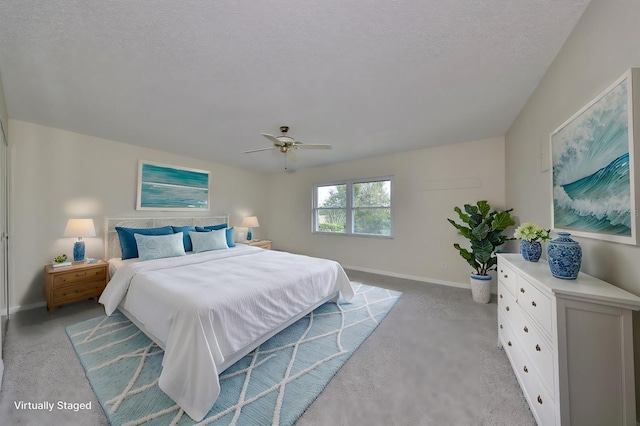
(274, 384)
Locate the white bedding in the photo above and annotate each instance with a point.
(204, 307)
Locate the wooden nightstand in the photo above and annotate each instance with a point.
(74, 283)
(265, 244)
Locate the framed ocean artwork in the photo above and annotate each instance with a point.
(593, 174)
(164, 187)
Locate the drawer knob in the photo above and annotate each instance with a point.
(533, 303)
(526, 330)
(501, 271)
(521, 290)
(507, 308)
(539, 400)
(526, 370)
(537, 347)
(500, 296)
(509, 343)
(506, 276)
(500, 326)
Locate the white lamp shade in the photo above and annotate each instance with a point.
(80, 228)
(250, 222)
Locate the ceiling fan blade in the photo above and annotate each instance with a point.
(261, 149)
(316, 146)
(272, 138)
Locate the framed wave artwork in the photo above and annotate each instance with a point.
(164, 187)
(593, 156)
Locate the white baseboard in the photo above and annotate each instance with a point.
(409, 277)
(15, 309)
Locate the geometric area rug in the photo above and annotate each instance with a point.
(273, 385)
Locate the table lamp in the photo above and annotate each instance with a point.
(250, 222)
(79, 228)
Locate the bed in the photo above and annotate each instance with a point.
(209, 309)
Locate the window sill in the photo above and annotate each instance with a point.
(341, 234)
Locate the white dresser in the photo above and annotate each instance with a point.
(569, 342)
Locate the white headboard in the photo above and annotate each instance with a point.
(112, 242)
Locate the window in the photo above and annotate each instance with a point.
(356, 207)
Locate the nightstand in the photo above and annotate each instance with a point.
(265, 244)
(74, 283)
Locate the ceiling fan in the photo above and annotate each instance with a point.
(286, 144)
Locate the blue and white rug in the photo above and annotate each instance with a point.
(272, 385)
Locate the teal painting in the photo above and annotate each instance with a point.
(164, 187)
(592, 163)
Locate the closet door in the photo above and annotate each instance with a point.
(4, 282)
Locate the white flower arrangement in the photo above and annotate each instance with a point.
(531, 232)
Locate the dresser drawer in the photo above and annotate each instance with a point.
(535, 347)
(506, 302)
(535, 303)
(540, 402)
(508, 277)
(73, 277)
(78, 292)
(505, 335)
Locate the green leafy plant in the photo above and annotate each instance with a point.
(60, 259)
(484, 229)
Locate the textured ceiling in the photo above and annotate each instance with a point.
(205, 78)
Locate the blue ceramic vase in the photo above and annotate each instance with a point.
(530, 250)
(564, 256)
(78, 251)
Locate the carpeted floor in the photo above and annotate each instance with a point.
(434, 360)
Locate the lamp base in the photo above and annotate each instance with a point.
(249, 236)
(78, 251)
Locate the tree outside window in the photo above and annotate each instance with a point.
(358, 207)
(332, 208)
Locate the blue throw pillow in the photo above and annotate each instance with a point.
(152, 247)
(230, 239)
(186, 239)
(216, 227)
(128, 244)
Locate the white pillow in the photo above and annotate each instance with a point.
(205, 241)
(159, 246)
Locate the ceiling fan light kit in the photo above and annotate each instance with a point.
(286, 144)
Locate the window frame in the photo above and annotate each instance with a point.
(350, 209)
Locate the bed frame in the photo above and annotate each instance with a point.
(112, 249)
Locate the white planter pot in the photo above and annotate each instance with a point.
(481, 288)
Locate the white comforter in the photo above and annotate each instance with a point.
(206, 306)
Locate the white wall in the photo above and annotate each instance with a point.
(57, 175)
(422, 236)
(604, 44)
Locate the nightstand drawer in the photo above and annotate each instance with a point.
(73, 277)
(78, 292)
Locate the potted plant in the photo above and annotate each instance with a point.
(531, 236)
(483, 228)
